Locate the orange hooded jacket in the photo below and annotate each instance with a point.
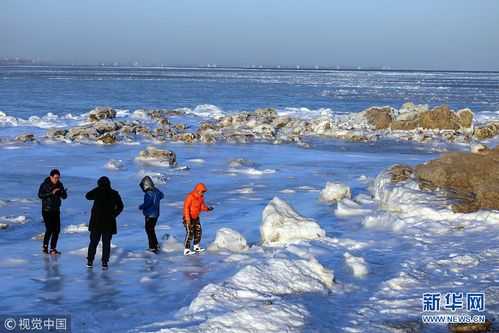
(194, 203)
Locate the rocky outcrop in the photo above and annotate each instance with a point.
(379, 118)
(486, 131)
(26, 138)
(471, 179)
(153, 155)
(439, 118)
(101, 112)
(400, 172)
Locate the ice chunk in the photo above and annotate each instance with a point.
(115, 165)
(357, 264)
(73, 229)
(347, 207)
(334, 192)
(170, 244)
(21, 219)
(228, 239)
(281, 224)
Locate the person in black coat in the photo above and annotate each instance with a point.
(51, 192)
(107, 206)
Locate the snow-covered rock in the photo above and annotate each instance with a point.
(21, 219)
(333, 192)
(228, 239)
(348, 207)
(281, 224)
(357, 264)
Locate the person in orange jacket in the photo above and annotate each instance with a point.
(193, 206)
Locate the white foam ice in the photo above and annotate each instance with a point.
(251, 171)
(251, 300)
(230, 240)
(305, 113)
(281, 224)
(357, 264)
(205, 111)
(76, 228)
(114, 165)
(21, 219)
(348, 207)
(333, 192)
(171, 244)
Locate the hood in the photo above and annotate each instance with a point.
(146, 184)
(200, 187)
(104, 182)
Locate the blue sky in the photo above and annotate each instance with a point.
(427, 34)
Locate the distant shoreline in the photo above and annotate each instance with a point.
(241, 68)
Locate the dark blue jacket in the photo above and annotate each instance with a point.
(150, 207)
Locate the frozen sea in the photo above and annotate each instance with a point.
(408, 242)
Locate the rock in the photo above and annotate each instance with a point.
(404, 125)
(56, 133)
(104, 126)
(101, 112)
(281, 224)
(473, 177)
(471, 327)
(333, 192)
(379, 118)
(153, 154)
(266, 115)
(26, 138)
(87, 132)
(486, 131)
(439, 118)
(400, 172)
(228, 239)
(465, 117)
(479, 149)
(107, 138)
(3, 226)
(186, 137)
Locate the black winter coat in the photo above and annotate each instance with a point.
(107, 206)
(51, 202)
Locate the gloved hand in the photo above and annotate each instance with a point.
(210, 209)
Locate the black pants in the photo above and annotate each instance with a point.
(52, 221)
(151, 234)
(192, 232)
(95, 237)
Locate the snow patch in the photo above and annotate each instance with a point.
(357, 264)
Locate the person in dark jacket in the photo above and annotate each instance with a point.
(51, 192)
(107, 206)
(150, 209)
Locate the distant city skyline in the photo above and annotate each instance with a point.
(389, 34)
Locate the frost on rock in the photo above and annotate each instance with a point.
(250, 301)
(405, 206)
(333, 192)
(228, 239)
(281, 224)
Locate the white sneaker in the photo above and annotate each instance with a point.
(197, 248)
(188, 252)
